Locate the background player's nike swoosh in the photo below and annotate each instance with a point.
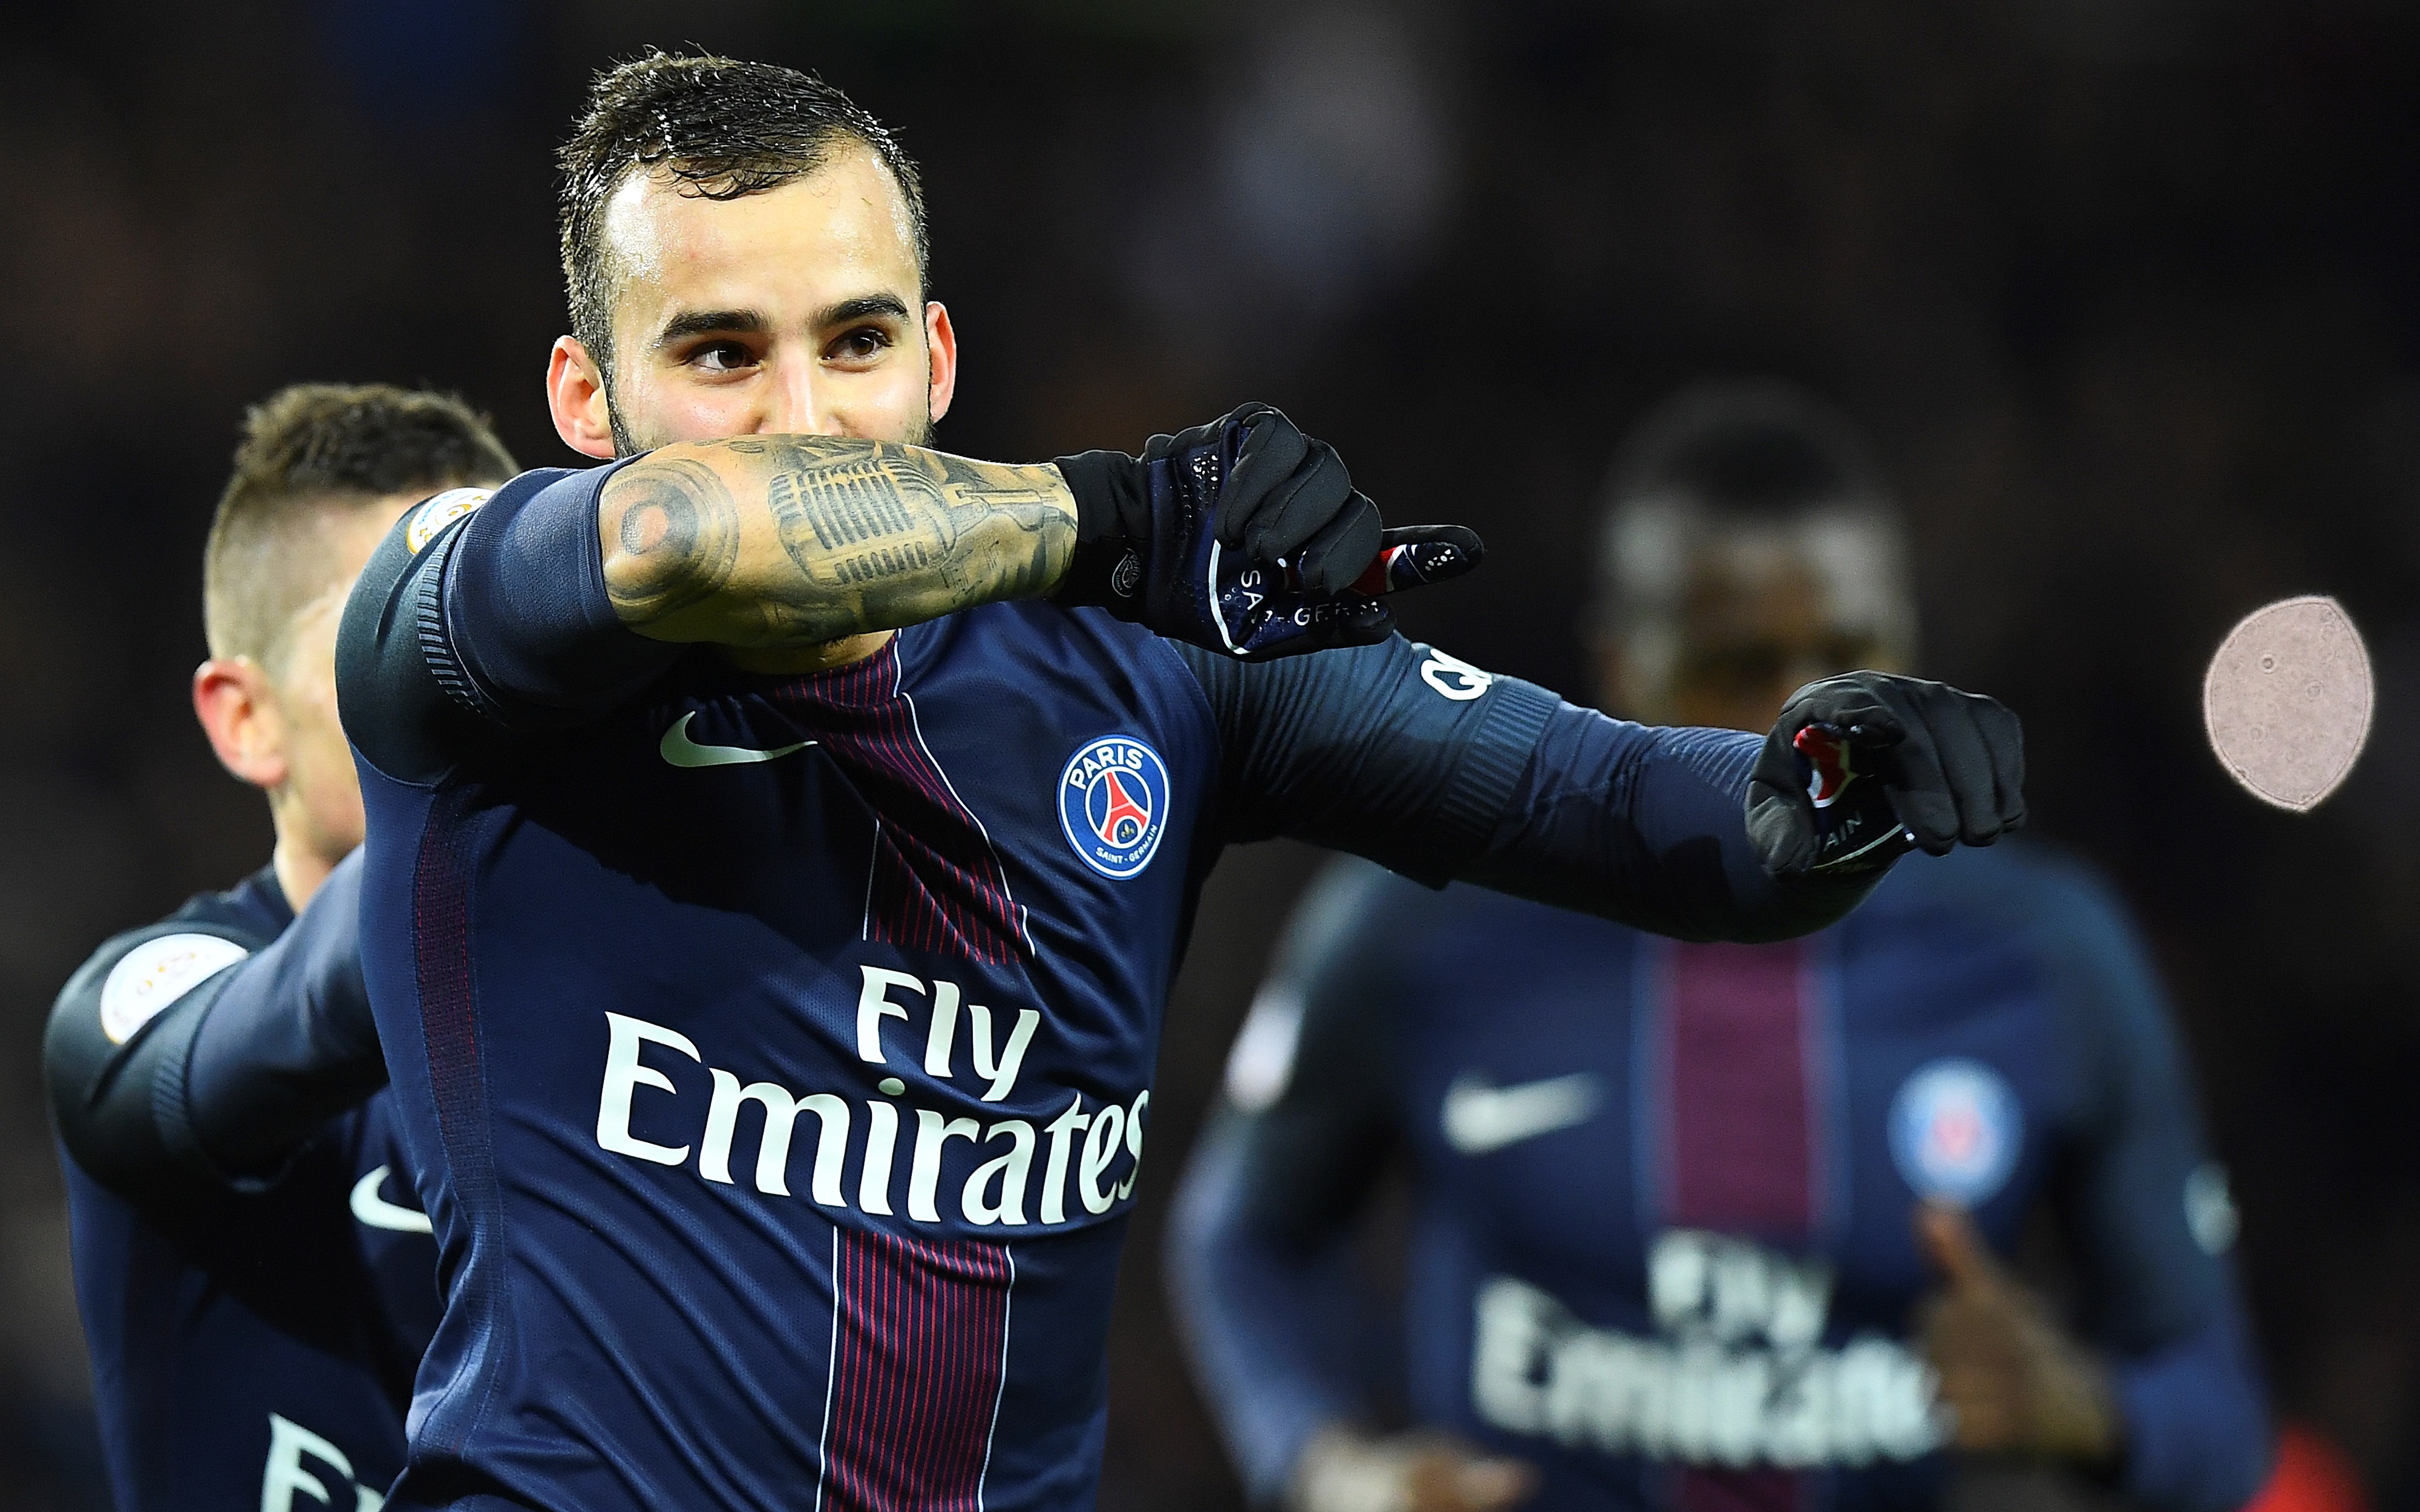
(678, 749)
(378, 1212)
(1479, 1118)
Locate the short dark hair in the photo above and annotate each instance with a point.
(1747, 446)
(309, 454)
(725, 130)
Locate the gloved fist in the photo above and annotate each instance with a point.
(1865, 765)
(1247, 538)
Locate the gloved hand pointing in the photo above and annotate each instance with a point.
(1247, 538)
(1863, 767)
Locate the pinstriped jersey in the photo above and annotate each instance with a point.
(778, 1050)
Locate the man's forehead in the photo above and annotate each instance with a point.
(781, 251)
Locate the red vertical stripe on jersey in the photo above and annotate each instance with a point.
(921, 1327)
(1742, 1150)
(937, 884)
(1740, 1141)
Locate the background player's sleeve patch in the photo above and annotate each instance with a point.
(157, 973)
(438, 512)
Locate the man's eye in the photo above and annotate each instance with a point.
(861, 344)
(721, 358)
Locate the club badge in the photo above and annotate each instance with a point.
(1955, 1131)
(1114, 804)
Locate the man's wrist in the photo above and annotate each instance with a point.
(1108, 499)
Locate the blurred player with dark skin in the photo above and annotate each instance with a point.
(255, 1282)
(1705, 1226)
(781, 840)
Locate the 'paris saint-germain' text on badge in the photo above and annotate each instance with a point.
(1114, 804)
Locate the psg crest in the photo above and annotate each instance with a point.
(1955, 1131)
(1114, 804)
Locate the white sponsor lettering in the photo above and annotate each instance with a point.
(157, 973)
(881, 1146)
(1101, 1166)
(1737, 1378)
(1480, 1119)
(284, 1475)
(1134, 1142)
(924, 1176)
(1100, 1148)
(1054, 1175)
(995, 1064)
(1009, 1171)
(874, 1005)
(773, 1145)
(624, 1075)
(1454, 678)
(1000, 1074)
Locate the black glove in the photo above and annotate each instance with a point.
(1247, 538)
(1863, 767)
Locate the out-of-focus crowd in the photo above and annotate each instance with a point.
(2120, 293)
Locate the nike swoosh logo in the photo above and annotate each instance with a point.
(678, 749)
(1480, 1119)
(378, 1212)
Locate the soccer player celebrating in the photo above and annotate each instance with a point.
(255, 1285)
(779, 845)
(1703, 1225)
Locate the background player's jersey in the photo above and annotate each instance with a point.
(253, 1342)
(1662, 1242)
(779, 1049)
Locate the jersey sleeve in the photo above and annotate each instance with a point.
(2153, 1227)
(1272, 1316)
(191, 1058)
(480, 621)
(1439, 771)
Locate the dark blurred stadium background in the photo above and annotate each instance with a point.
(2123, 289)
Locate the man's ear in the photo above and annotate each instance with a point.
(941, 347)
(239, 712)
(576, 397)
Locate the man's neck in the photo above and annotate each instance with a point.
(299, 871)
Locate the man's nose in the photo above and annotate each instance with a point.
(800, 403)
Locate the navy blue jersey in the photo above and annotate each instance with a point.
(1662, 1242)
(779, 1049)
(253, 1332)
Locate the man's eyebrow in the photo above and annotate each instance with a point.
(858, 309)
(711, 322)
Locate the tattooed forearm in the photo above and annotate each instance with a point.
(826, 538)
(677, 528)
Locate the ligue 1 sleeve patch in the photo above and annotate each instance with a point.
(157, 973)
(1956, 1128)
(1114, 804)
(442, 511)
